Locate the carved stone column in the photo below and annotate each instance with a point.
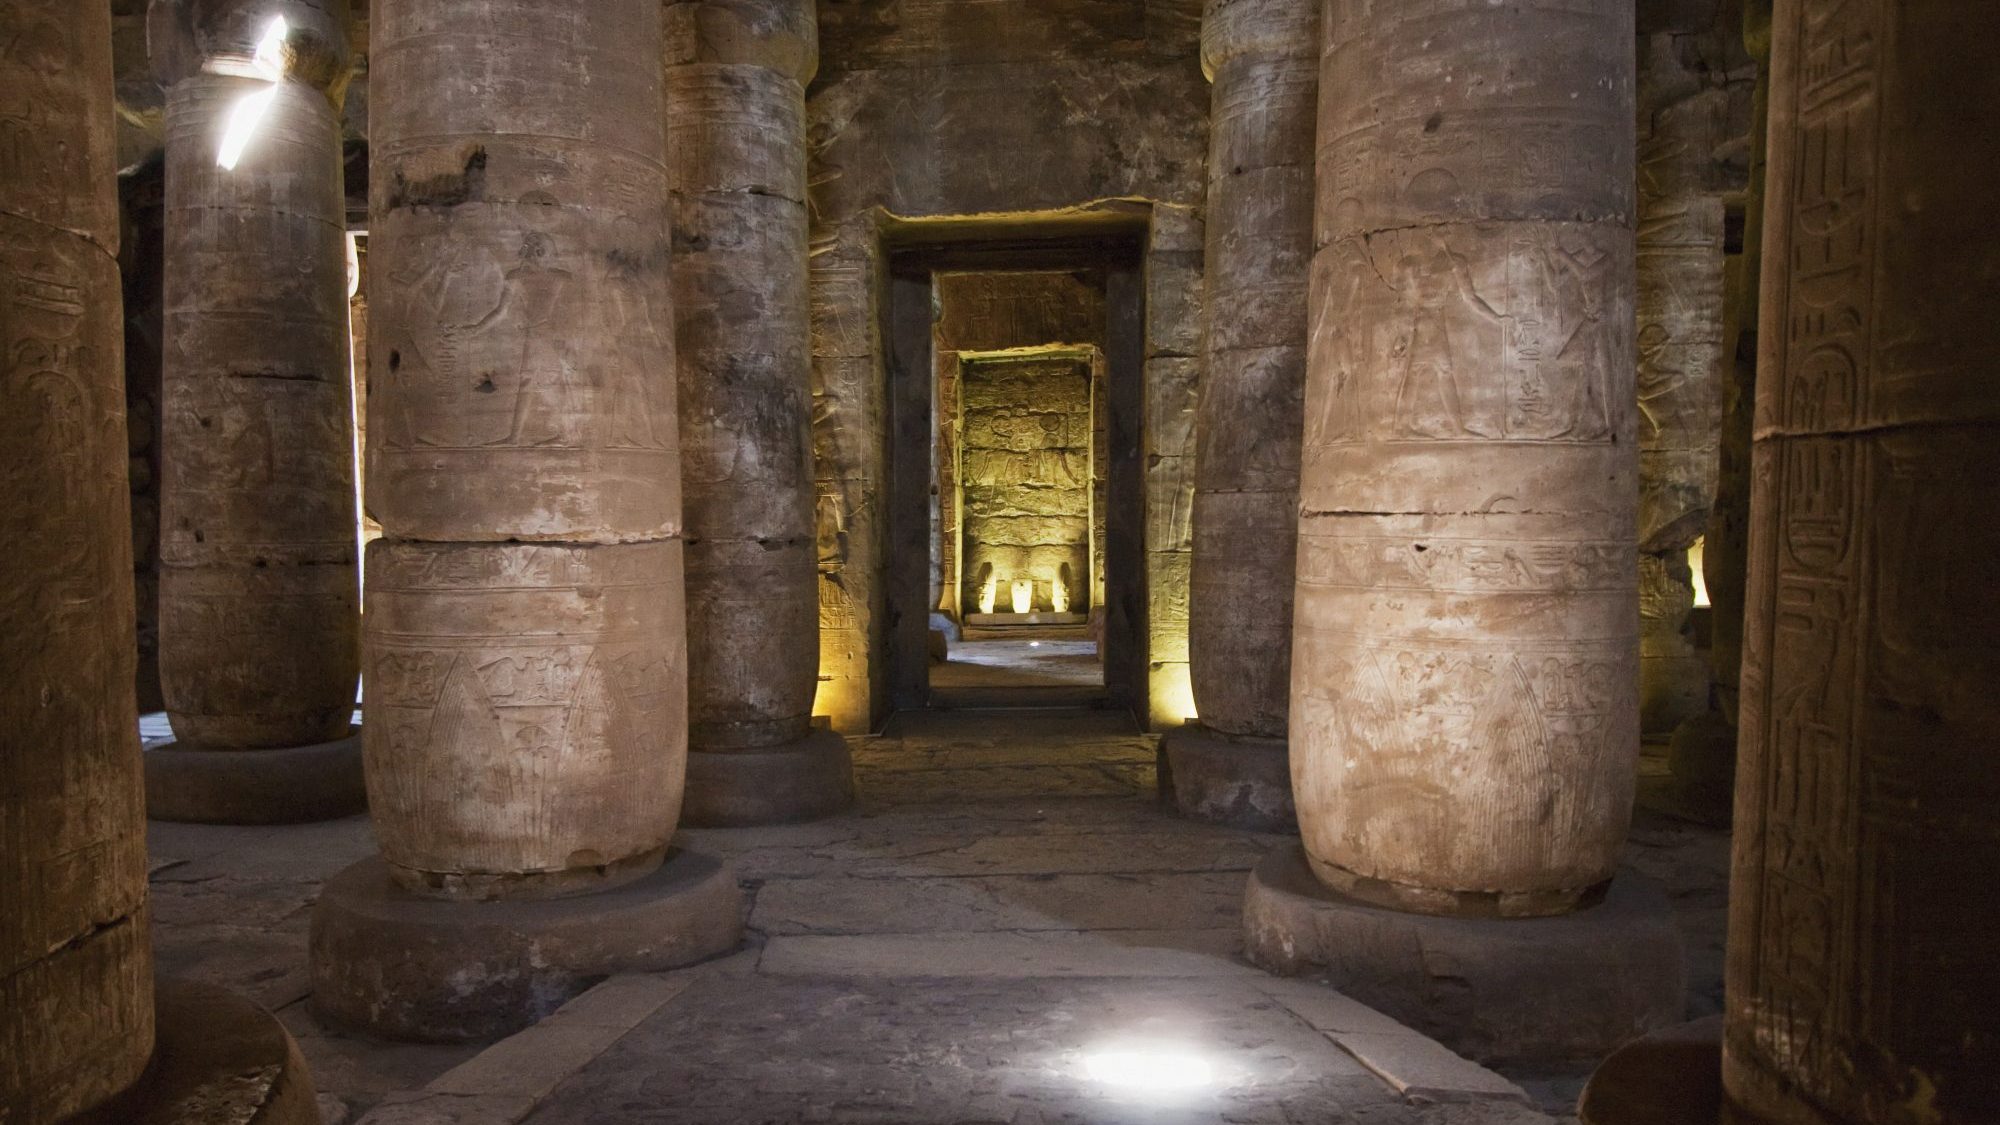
(1682, 121)
(1464, 721)
(1861, 979)
(1263, 58)
(76, 974)
(84, 1034)
(259, 606)
(525, 647)
(736, 77)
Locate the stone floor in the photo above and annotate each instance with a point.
(1019, 664)
(1008, 928)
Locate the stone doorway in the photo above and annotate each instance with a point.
(1014, 573)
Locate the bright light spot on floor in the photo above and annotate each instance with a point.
(1149, 1067)
(1034, 644)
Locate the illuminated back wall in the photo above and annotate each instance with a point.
(1025, 482)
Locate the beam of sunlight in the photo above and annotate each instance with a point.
(244, 118)
(269, 61)
(249, 111)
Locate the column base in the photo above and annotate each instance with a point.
(440, 971)
(216, 1057)
(1671, 1077)
(291, 785)
(1240, 782)
(1531, 991)
(798, 781)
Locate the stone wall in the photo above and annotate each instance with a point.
(933, 108)
(1001, 311)
(1025, 478)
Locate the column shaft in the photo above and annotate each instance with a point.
(1679, 321)
(259, 609)
(1861, 981)
(525, 651)
(1263, 58)
(736, 75)
(1464, 715)
(76, 990)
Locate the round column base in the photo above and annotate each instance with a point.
(1671, 1077)
(216, 1057)
(1529, 991)
(1240, 782)
(798, 781)
(291, 785)
(441, 971)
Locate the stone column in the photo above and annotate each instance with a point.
(1263, 58)
(1464, 719)
(1861, 980)
(1702, 755)
(76, 977)
(736, 77)
(524, 645)
(1681, 122)
(259, 608)
(80, 1018)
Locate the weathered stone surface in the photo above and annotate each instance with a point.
(259, 608)
(1684, 121)
(76, 1005)
(1263, 58)
(521, 319)
(412, 967)
(746, 417)
(750, 677)
(291, 785)
(1670, 1077)
(1463, 728)
(1025, 479)
(1057, 314)
(1673, 673)
(1240, 609)
(928, 110)
(736, 77)
(1515, 992)
(804, 779)
(524, 716)
(220, 1059)
(1242, 782)
(848, 473)
(1861, 979)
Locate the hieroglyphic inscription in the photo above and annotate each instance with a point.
(1464, 704)
(524, 703)
(76, 1000)
(1802, 658)
(1413, 327)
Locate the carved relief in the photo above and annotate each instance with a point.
(1464, 676)
(1405, 322)
(531, 698)
(521, 303)
(259, 613)
(76, 1004)
(1867, 655)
